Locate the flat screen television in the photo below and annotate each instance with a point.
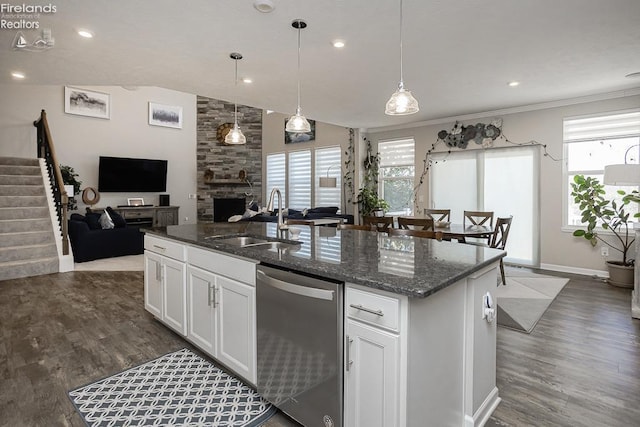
(126, 175)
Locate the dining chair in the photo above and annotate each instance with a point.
(498, 240)
(479, 218)
(367, 227)
(415, 223)
(427, 234)
(438, 214)
(381, 223)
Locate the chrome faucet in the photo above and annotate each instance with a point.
(281, 224)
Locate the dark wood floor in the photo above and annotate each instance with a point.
(579, 367)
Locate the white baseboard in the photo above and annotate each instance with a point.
(635, 305)
(575, 270)
(485, 410)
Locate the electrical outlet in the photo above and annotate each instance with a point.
(186, 218)
(604, 251)
(192, 196)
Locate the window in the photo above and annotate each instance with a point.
(328, 163)
(299, 179)
(592, 142)
(396, 173)
(276, 175)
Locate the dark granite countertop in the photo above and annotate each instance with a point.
(403, 265)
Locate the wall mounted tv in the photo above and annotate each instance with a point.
(125, 175)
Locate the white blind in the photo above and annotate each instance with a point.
(299, 179)
(602, 127)
(276, 175)
(397, 153)
(328, 163)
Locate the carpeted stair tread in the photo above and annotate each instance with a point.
(20, 161)
(21, 190)
(26, 238)
(18, 269)
(18, 213)
(20, 179)
(20, 170)
(27, 252)
(23, 201)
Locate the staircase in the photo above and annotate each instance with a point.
(27, 242)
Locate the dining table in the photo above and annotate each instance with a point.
(460, 231)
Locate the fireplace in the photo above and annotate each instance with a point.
(223, 208)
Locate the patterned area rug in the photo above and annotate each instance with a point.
(177, 389)
(525, 298)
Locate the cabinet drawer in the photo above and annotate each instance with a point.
(164, 247)
(224, 265)
(148, 213)
(374, 309)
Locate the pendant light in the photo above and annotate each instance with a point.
(235, 136)
(401, 102)
(298, 123)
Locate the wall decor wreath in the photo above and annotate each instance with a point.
(480, 133)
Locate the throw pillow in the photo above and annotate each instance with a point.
(118, 221)
(105, 221)
(93, 221)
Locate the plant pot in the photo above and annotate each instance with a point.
(620, 275)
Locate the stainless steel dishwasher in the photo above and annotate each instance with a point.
(300, 334)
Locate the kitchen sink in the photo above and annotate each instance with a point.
(273, 245)
(243, 240)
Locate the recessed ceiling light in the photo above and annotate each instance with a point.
(264, 6)
(85, 33)
(514, 84)
(247, 80)
(633, 75)
(18, 75)
(338, 43)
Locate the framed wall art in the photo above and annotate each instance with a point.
(89, 103)
(135, 201)
(291, 137)
(165, 115)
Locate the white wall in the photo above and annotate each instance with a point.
(557, 247)
(273, 141)
(79, 141)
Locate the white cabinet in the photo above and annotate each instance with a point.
(222, 309)
(165, 284)
(372, 351)
(372, 376)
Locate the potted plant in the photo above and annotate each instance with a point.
(596, 211)
(369, 203)
(69, 179)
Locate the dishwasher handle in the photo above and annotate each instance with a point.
(304, 291)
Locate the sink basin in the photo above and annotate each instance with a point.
(273, 245)
(244, 241)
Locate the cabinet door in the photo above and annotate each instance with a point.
(371, 377)
(166, 217)
(153, 284)
(236, 335)
(201, 322)
(174, 295)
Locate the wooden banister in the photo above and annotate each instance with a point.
(46, 150)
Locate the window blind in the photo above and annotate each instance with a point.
(397, 153)
(328, 163)
(276, 175)
(299, 179)
(611, 126)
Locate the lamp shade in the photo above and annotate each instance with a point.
(328, 182)
(627, 174)
(235, 136)
(401, 103)
(298, 123)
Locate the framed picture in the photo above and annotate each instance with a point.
(291, 137)
(165, 115)
(136, 201)
(83, 102)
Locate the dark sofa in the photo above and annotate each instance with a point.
(89, 242)
(312, 213)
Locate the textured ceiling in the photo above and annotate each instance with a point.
(458, 55)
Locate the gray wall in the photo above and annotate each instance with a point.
(558, 248)
(79, 140)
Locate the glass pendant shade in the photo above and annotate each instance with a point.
(298, 123)
(401, 103)
(235, 136)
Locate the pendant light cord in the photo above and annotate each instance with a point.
(298, 109)
(235, 84)
(401, 77)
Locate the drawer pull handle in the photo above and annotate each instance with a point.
(349, 361)
(159, 247)
(368, 310)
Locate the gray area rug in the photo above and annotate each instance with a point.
(525, 298)
(177, 389)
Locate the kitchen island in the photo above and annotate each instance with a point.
(417, 345)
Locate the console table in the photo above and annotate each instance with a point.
(147, 216)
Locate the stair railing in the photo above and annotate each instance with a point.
(46, 151)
